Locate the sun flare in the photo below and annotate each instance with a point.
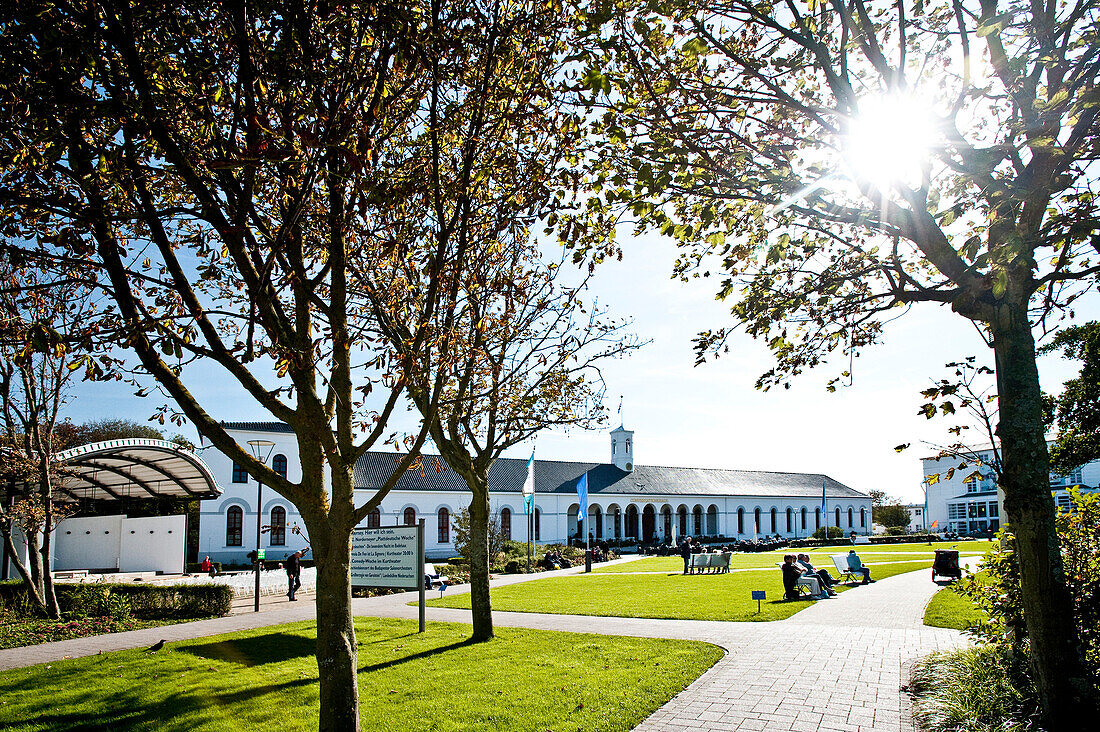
(889, 139)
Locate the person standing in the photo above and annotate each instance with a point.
(294, 573)
(685, 552)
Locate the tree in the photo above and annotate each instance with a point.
(1077, 409)
(240, 181)
(495, 539)
(890, 514)
(36, 351)
(99, 430)
(741, 129)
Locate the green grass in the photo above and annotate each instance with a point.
(949, 609)
(676, 596)
(267, 679)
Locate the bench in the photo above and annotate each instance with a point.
(70, 573)
(718, 562)
(432, 578)
(847, 574)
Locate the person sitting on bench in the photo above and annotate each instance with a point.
(809, 570)
(792, 577)
(857, 567)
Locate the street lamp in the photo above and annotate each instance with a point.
(261, 450)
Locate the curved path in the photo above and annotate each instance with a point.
(838, 665)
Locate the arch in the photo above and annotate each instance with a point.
(837, 512)
(506, 522)
(697, 520)
(712, 520)
(666, 522)
(277, 534)
(649, 522)
(863, 518)
(632, 521)
(740, 519)
(234, 526)
(817, 518)
(803, 518)
(597, 520)
(790, 519)
(538, 517)
(573, 520)
(756, 520)
(443, 526)
(773, 513)
(278, 465)
(615, 518)
(682, 515)
(374, 518)
(851, 523)
(410, 516)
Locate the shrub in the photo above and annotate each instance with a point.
(986, 688)
(834, 532)
(93, 600)
(896, 531)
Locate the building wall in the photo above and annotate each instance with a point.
(948, 494)
(557, 512)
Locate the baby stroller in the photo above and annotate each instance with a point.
(946, 564)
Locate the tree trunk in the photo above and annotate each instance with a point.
(1055, 652)
(49, 596)
(337, 650)
(480, 603)
(24, 571)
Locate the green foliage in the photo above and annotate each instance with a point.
(496, 541)
(148, 602)
(1077, 409)
(100, 430)
(890, 515)
(1079, 536)
(87, 599)
(981, 689)
(834, 532)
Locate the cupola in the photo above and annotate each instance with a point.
(622, 448)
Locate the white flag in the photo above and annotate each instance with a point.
(529, 484)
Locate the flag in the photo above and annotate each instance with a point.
(529, 503)
(935, 524)
(824, 508)
(529, 483)
(582, 494)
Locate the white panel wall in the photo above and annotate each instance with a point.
(87, 543)
(153, 544)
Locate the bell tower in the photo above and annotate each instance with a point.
(622, 448)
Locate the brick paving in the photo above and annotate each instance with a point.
(837, 666)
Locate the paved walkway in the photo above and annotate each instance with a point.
(836, 666)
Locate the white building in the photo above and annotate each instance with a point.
(968, 501)
(626, 501)
(916, 518)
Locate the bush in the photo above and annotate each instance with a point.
(834, 532)
(896, 531)
(93, 600)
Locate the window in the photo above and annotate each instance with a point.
(1071, 478)
(410, 516)
(613, 444)
(628, 445)
(618, 524)
(538, 515)
(850, 522)
(278, 526)
(994, 511)
(837, 517)
(773, 511)
(506, 523)
(374, 519)
(803, 518)
(240, 475)
(697, 523)
(631, 522)
(234, 521)
(683, 520)
(444, 527)
(756, 521)
(790, 521)
(278, 464)
(599, 523)
(817, 518)
(863, 517)
(740, 521)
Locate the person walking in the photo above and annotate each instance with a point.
(294, 573)
(685, 552)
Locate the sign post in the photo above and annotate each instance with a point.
(759, 595)
(392, 556)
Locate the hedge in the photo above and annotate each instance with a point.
(149, 602)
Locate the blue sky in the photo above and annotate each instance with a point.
(711, 416)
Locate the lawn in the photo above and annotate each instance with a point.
(871, 555)
(267, 679)
(949, 609)
(675, 595)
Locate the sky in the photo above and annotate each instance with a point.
(711, 415)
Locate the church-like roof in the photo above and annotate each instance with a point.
(553, 476)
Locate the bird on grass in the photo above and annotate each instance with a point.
(156, 646)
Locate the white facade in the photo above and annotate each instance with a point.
(228, 524)
(916, 518)
(968, 502)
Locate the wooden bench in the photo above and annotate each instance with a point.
(717, 562)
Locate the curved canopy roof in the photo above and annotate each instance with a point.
(134, 469)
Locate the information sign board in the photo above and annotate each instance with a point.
(386, 557)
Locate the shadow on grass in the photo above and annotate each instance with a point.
(255, 651)
(416, 656)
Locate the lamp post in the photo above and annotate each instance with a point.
(261, 450)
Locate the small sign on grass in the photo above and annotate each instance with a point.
(759, 595)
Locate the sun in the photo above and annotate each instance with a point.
(889, 139)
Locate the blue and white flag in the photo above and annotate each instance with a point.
(529, 483)
(582, 494)
(824, 507)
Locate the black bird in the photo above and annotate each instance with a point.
(156, 646)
